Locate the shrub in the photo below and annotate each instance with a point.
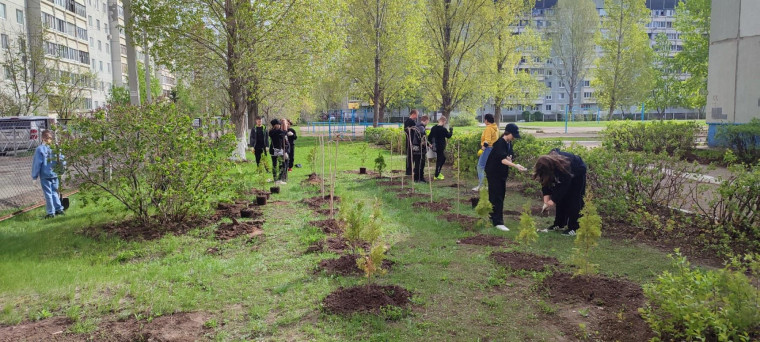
(353, 214)
(527, 233)
(150, 159)
(380, 164)
(463, 120)
(587, 237)
(527, 150)
(362, 150)
(743, 140)
(484, 207)
(371, 261)
(526, 115)
(537, 116)
(656, 137)
(469, 144)
(697, 305)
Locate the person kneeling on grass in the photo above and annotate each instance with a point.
(44, 167)
(563, 180)
(497, 171)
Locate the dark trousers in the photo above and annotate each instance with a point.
(419, 166)
(440, 159)
(497, 189)
(258, 152)
(408, 162)
(292, 154)
(569, 209)
(281, 172)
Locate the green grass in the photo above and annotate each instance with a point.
(268, 290)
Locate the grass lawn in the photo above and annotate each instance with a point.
(267, 289)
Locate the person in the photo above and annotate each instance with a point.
(44, 166)
(419, 148)
(487, 139)
(497, 170)
(259, 140)
(409, 124)
(563, 180)
(438, 136)
(292, 136)
(278, 150)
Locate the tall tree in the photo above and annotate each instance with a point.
(623, 73)
(502, 52)
(27, 78)
(666, 77)
(454, 29)
(693, 23)
(574, 28)
(385, 58)
(239, 37)
(68, 92)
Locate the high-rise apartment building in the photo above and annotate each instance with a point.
(554, 101)
(79, 36)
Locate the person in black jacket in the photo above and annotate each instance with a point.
(278, 149)
(419, 148)
(409, 124)
(437, 138)
(497, 171)
(563, 179)
(292, 136)
(259, 140)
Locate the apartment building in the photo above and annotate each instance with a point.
(554, 101)
(79, 36)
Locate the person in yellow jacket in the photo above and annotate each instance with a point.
(487, 139)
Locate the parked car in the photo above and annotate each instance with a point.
(22, 133)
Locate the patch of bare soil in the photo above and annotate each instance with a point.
(229, 231)
(369, 173)
(179, 327)
(258, 192)
(328, 226)
(52, 329)
(484, 240)
(615, 302)
(231, 210)
(134, 230)
(435, 206)
(331, 244)
(407, 194)
(524, 261)
(317, 202)
(467, 222)
(369, 298)
(345, 265)
(534, 211)
(312, 179)
(390, 183)
(326, 211)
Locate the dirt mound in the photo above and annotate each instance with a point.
(313, 179)
(135, 230)
(523, 261)
(250, 213)
(229, 231)
(467, 222)
(435, 206)
(317, 202)
(346, 266)
(52, 329)
(619, 320)
(484, 240)
(534, 211)
(179, 327)
(328, 226)
(391, 183)
(331, 244)
(365, 299)
(403, 195)
(326, 211)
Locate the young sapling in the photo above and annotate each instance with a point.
(587, 237)
(527, 233)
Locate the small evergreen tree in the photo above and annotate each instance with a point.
(380, 163)
(363, 153)
(587, 237)
(527, 233)
(371, 261)
(312, 158)
(353, 214)
(484, 207)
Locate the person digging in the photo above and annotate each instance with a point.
(563, 184)
(497, 170)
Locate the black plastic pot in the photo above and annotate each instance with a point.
(261, 200)
(474, 201)
(362, 170)
(274, 189)
(65, 203)
(247, 213)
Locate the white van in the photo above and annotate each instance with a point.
(22, 133)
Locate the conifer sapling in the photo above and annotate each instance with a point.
(527, 233)
(484, 207)
(380, 163)
(587, 237)
(371, 261)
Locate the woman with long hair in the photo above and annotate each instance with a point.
(563, 181)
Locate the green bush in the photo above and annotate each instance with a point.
(526, 115)
(463, 120)
(386, 136)
(744, 140)
(702, 305)
(150, 159)
(537, 116)
(656, 137)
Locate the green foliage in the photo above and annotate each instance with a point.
(380, 163)
(674, 138)
(262, 173)
(352, 213)
(537, 116)
(386, 136)
(693, 24)
(735, 206)
(484, 207)
(527, 233)
(311, 157)
(526, 115)
(697, 305)
(743, 140)
(150, 159)
(666, 78)
(371, 261)
(463, 120)
(587, 237)
(155, 84)
(119, 96)
(363, 153)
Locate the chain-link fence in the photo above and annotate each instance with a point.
(19, 136)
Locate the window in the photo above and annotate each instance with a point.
(561, 84)
(20, 16)
(4, 38)
(105, 28)
(548, 107)
(587, 95)
(586, 83)
(561, 96)
(575, 96)
(7, 71)
(100, 46)
(105, 8)
(109, 67)
(92, 42)
(96, 104)
(2, 11)
(108, 48)
(97, 24)
(549, 96)
(93, 63)
(89, 19)
(101, 65)
(548, 84)
(549, 72)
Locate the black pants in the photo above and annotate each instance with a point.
(281, 172)
(258, 152)
(292, 154)
(497, 189)
(440, 159)
(408, 162)
(419, 166)
(569, 209)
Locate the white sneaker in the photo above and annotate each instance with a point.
(277, 182)
(283, 183)
(502, 227)
(476, 189)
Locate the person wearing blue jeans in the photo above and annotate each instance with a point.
(487, 139)
(43, 167)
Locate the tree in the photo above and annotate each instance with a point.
(665, 83)
(454, 29)
(69, 90)
(693, 23)
(385, 59)
(574, 27)
(503, 51)
(24, 65)
(623, 72)
(155, 84)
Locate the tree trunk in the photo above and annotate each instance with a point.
(376, 92)
(446, 100)
(497, 110)
(237, 90)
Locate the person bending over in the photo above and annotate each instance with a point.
(563, 180)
